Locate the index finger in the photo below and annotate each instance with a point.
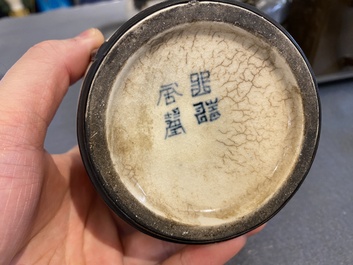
(33, 88)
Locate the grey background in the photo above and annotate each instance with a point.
(313, 228)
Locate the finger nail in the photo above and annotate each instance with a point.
(93, 36)
(89, 33)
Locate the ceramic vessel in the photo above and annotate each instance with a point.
(198, 120)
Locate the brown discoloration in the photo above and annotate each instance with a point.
(125, 142)
(218, 171)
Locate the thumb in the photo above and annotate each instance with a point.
(34, 87)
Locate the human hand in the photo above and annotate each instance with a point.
(50, 214)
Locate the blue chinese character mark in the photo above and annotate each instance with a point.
(200, 83)
(173, 122)
(200, 114)
(168, 92)
(213, 109)
(205, 111)
(211, 114)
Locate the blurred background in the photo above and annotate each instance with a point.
(315, 227)
(323, 28)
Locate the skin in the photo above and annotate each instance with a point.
(50, 213)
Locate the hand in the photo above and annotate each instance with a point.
(49, 212)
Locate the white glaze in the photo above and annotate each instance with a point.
(217, 171)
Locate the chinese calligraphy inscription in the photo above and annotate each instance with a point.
(174, 126)
(200, 83)
(168, 92)
(211, 114)
(205, 110)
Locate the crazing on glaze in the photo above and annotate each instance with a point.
(205, 123)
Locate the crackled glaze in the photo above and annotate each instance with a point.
(211, 172)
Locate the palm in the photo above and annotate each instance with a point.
(65, 210)
(80, 228)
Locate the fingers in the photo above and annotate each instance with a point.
(256, 230)
(218, 253)
(32, 90)
(70, 164)
(140, 248)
